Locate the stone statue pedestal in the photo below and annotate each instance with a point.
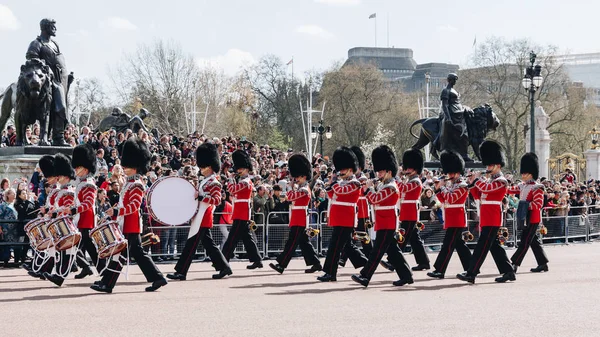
(20, 161)
(592, 169)
(542, 139)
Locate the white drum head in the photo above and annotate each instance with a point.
(171, 201)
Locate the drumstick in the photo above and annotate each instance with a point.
(32, 212)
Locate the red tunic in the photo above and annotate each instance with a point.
(342, 203)
(299, 208)
(385, 206)
(242, 194)
(410, 193)
(51, 199)
(490, 194)
(453, 204)
(83, 208)
(363, 207)
(210, 193)
(128, 212)
(65, 198)
(534, 193)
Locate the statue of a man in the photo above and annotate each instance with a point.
(453, 129)
(43, 47)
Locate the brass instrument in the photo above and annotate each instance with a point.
(399, 235)
(150, 239)
(420, 226)
(467, 236)
(503, 234)
(368, 224)
(361, 236)
(543, 230)
(312, 232)
(252, 226)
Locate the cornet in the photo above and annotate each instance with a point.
(252, 226)
(368, 224)
(312, 232)
(543, 230)
(420, 226)
(502, 234)
(361, 236)
(150, 239)
(467, 236)
(399, 235)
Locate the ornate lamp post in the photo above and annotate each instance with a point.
(532, 81)
(594, 134)
(321, 130)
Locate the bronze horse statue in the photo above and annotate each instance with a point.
(479, 121)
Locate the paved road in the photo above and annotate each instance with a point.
(563, 302)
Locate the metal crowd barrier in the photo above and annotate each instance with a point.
(278, 232)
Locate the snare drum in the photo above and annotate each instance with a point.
(171, 201)
(37, 231)
(108, 239)
(64, 233)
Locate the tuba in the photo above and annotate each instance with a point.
(399, 235)
(543, 230)
(150, 239)
(312, 232)
(361, 236)
(420, 226)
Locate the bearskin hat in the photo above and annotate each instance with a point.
(85, 156)
(413, 159)
(492, 153)
(300, 166)
(241, 160)
(384, 159)
(529, 164)
(344, 158)
(62, 166)
(452, 162)
(360, 156)
(46, 164)
(136, 155)
(207, 155)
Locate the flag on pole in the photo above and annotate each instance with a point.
(373, 16)
(290, 62)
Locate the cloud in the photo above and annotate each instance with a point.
(314, 30)
(447, 29)
(118, 23)
(8, 21)
(230, 62)
(338, 2)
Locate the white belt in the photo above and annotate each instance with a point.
(383, 208)
(454, 206)
(341, 203)
(486, 202)
(241, 200)
(409, 201)
(299, 207)
(362, 198)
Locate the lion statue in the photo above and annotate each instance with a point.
(31, 99)
(480, 121)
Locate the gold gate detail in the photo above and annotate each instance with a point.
(558, 165)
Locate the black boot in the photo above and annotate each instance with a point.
(327, 278)
(540, 269)
(386, 265)
(100, 287)
(225, 272)
(277, 268)
(157, 284)
(313, 268)
(87, 271)
(176, 276)
(255, 265)
(36, 275)
(402, 282)
(510, 276)
(421, 267)
(466, 277)
(54, 279)
(436, 274)
(360, 280)
(515, 267)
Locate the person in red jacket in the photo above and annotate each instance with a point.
(343, 196)
(453, 200)
(84, 209)
(136, 160)
(301, 171)
(242, 193)
(385, 206)
(489, 192)
(209, 195)
(529, 213)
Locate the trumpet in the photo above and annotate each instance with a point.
(361, 236)
(312, 232)
(502, 234)
(543, 230)
(467, 236)
(420, 226)
(252, 226)
(368, 224)
(399, 235)
(150, 239)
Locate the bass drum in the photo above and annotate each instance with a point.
(171, 201)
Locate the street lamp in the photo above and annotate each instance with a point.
(321, 130)
(532, 81)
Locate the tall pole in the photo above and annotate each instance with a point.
(321, 129)
(532, 111)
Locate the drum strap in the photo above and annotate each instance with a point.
(72, 253)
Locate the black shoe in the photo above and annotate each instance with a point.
(313, 268)
(386, 265)
(157, 284)
(402, 282)
(277, 268)
(360, 280)
(98, 282)
(54, 279)
(466, 277)
(435, 274)
(26, 266)
(515, 267)
(101, 288)
(74, 269)
(421, 267)
(176, 276)
(36, 275)
(255, 265)
(510, 276)
(84, 272)
(539, 269)
(225, 272)
(327, 278)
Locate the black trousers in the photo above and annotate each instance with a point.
(64, 264)
(412, 236)
(489, 242)
(386, 243)
(366, 248)
(46, 267)
(205, 236)
(298, 237)
(340, 237)
(530, 238)
(452, 240)
(148, 268)
(241, 231)
(87, 245)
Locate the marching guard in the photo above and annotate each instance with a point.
(453, 200)
(136, 160)
(490, 193)
(529, 214)
(384, 202)
(343, 197)
(300, 170)
(209, 195)
(242, 193)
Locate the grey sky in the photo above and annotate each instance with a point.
(94, 34)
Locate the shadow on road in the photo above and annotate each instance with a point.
(48, 297)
